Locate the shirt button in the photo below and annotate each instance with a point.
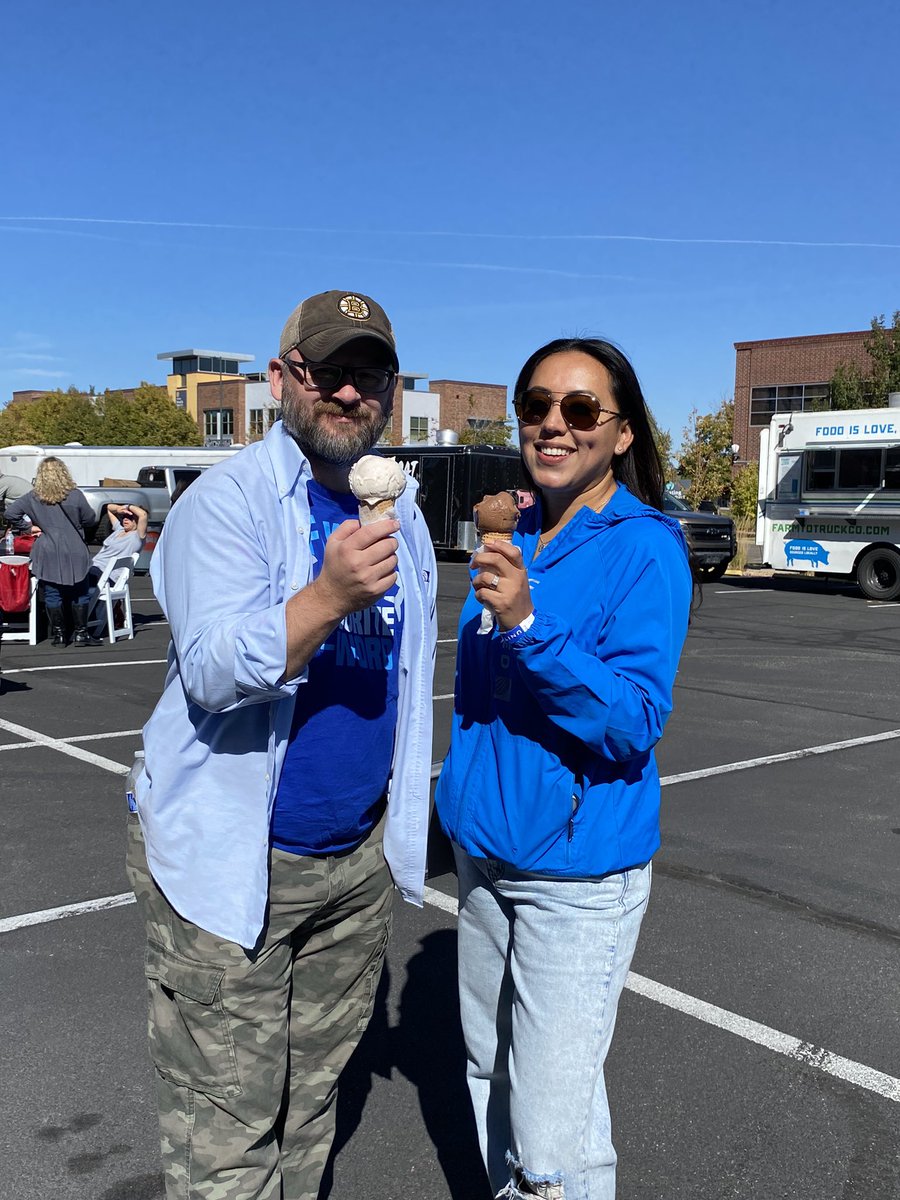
(294, 585)
(268, 778)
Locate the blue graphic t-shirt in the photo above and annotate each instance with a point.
(339, 755)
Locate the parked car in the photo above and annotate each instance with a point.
(711, 538)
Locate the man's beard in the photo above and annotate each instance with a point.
(338, 445)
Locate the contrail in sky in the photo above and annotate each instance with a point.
(450, 233)
(395, 262)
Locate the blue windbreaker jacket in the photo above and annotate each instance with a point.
(551, 765)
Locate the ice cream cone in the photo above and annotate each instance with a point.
(381, 509)
(376, 483)
(496, 518)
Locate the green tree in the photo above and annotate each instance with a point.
(705, 456)
(493, 433)
(53, 419)
(663, 440)
(852, 387)
(744, 491)
(146, 418)
(884, 350)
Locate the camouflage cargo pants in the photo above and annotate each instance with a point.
(248, 1046)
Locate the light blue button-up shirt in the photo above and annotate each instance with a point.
(234, 549)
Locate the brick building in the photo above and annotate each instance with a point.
(447, 404)
(787, 375)
(242, 408)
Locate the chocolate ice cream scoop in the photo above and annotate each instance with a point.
(496, 517)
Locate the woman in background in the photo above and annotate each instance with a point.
(550, 791)
(60, 559)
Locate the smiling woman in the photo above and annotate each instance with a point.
(550, 791)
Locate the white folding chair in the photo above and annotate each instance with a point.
(25, 629)
(112, 586)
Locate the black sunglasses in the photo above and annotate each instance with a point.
(580, 410)
(328, 377)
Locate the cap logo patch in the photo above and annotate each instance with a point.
(355, 307)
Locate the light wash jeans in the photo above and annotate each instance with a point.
(542, 963)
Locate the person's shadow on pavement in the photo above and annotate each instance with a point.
(426, 1046)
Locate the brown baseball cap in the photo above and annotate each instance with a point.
(323, 323)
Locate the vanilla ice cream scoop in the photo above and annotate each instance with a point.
(376, 482)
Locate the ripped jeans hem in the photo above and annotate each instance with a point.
(524, 1184)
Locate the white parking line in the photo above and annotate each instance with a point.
(788, 756)
(711, 1014)
(119, 662)
(782, 1043)
(52, 743)
(65, 910)
(752, 1031)
(82, 737)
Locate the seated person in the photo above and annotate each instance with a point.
(129, 528)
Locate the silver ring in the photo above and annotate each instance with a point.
(494, 582)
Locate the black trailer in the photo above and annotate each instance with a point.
(452, 479)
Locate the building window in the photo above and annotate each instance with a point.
(257, 426)
(387, 433)
(218, 423)
(418, 429)
(765, 402)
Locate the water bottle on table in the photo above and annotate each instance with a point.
(9, 542)
(135, 772)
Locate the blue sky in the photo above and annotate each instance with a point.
(673, 177)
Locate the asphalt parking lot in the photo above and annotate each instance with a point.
(757, 1054)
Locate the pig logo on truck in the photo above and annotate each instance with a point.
(799, 549)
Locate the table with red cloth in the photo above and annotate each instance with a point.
(15, 577)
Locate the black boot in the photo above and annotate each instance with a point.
(56, 625)
(80, 635)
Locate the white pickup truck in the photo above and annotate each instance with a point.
(156, 486)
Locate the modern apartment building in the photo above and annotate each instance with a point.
(193, 368)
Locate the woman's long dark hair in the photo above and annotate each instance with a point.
(640, 467)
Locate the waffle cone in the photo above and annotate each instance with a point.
(487, 538)
(369, 513)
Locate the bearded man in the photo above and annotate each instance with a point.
(286, 789)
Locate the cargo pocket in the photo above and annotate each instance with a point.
(191, 1043)
(371, 976)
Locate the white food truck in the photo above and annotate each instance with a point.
(90, 465)
(829, 496)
